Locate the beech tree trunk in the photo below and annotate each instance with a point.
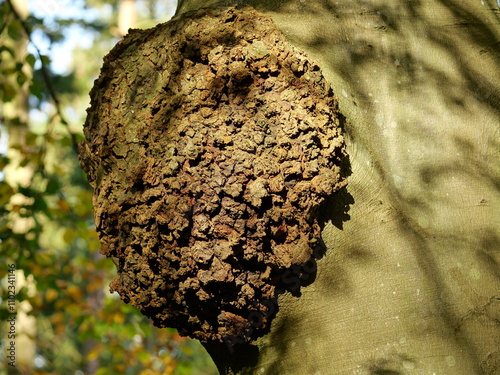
(410, 284)
(410, 279)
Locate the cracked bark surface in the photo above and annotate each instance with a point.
(210, 143)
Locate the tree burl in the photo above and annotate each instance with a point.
(210, 142)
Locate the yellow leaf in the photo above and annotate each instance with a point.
(119, 318)
(57, 318)
(93, 354)
(120, 367)
(51, 295)
(69, 235)
(63, 205)
(74, 292)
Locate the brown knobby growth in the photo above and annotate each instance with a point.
(210, 141)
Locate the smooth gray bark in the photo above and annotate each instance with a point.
(411, 283)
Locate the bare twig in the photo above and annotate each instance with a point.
(46, 78)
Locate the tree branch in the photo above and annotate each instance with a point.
(46, 78)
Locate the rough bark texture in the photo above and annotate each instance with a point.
(210, 143)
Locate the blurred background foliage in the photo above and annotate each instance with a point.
(67, 321)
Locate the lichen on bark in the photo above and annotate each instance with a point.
(210, 141)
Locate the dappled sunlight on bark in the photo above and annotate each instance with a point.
(411, 282)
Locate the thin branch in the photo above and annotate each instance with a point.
(46, 78)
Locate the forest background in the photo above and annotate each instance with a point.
(66, 321)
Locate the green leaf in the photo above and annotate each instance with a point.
(101, 328)
(102, 371)
(4, 161)
(143, 356)
(41, 205)
(21, 78)
(53, 186)
(69, 235)
(25, 161)
(26, 191)
(31, 138)
(66, 141)
(31, 59)
(36, 89)
(14, 30)
(45, 59)
(7, 92)
(6, 192)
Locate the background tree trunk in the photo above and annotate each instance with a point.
(127, 16)
(410, 284)
(19, 173)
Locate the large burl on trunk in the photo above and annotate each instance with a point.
(210, 143)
